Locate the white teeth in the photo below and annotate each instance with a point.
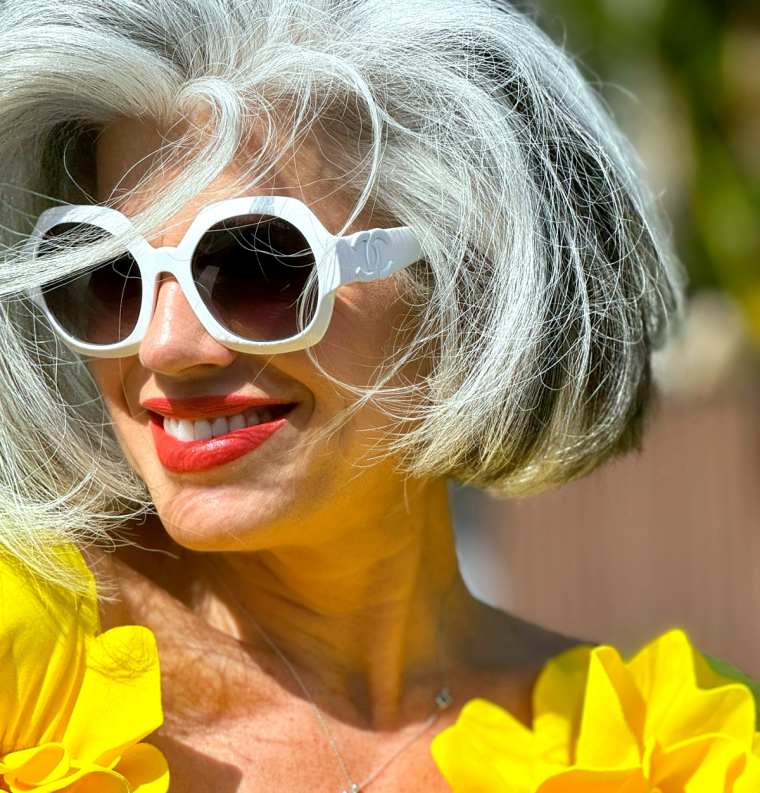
(206, 429)
(203, 430)
(237, 422)
(185, 431)
(220, 426)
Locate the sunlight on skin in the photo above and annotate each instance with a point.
(346, 564)
(339, 537)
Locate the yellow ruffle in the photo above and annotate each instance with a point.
(74, 704)
(663, 723)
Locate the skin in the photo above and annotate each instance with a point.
(349, 566)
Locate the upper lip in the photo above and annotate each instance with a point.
(200, 407)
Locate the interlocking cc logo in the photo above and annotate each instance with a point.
(374, 262)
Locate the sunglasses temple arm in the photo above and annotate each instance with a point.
(378, 253)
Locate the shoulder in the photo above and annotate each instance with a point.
(500, 657)
(667, 715)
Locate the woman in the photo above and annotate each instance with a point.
(286, 395)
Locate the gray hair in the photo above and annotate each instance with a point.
(546, 280)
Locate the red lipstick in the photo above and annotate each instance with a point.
(202, 407)
(184, 457)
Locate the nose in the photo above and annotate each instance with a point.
(176, 343)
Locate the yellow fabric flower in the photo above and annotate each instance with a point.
(74, 703)
(663, 723)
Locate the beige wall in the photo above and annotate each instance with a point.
(667, 538)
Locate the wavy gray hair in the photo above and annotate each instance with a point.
(546, 281)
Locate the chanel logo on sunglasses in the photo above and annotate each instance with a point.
(375, 261)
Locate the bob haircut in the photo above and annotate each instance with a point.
(546, 281)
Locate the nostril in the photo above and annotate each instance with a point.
(175, 339)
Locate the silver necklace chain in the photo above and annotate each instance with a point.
(442, 702)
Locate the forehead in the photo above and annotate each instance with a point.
(135, 160)
(125, 153)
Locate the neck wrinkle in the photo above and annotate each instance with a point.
(361, 618)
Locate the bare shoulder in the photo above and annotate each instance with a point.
(501, 656)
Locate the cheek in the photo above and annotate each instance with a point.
(371, 325)
(110, 375)
(115, 377)
(367, 327)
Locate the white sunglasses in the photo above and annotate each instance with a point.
(260, 274)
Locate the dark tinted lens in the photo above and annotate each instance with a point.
(100, 305)
(252, 273)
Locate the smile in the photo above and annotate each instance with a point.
(187, 430)
(191, 436)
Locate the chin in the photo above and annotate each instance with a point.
(208, 534)
(223, 519)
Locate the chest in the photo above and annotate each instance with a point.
(273, 754)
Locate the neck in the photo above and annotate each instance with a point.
(361, 612)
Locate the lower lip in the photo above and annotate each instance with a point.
(190, 457)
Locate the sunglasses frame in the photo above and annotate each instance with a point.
(339, 260)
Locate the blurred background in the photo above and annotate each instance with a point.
(669, 537)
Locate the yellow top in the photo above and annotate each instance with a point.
(75, 704)
(665, 722)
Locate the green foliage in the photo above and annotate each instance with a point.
(683, 78)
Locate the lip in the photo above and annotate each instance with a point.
(186, 457)
(202, 407)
